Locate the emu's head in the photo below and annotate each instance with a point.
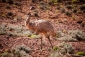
(28, 18)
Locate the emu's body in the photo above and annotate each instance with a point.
(41, 26)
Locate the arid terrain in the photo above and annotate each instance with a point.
(13, 31)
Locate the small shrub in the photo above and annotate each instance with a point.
(80, 53)
(55, 48)
(74, 1)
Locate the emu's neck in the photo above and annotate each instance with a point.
(28, 20)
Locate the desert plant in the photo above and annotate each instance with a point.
(74, 1)
(55, 48)
(81, 53)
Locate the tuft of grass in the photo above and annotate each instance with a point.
(55, 48)
(3, 15)
(81, 53)
(74, 1)
(34, 36)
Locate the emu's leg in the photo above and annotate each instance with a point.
(41, 43)
(50, 41)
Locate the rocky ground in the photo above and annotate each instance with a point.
(13, 31)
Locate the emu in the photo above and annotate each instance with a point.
(41, 27)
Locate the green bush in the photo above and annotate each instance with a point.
(80, 53)
(55, 48)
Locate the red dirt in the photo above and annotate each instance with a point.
(61, 22)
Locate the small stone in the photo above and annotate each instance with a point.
(32, 7)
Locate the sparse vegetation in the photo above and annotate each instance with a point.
(67, 18)
(80, 53)
(55, 48)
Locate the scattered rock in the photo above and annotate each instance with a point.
(32, 7)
